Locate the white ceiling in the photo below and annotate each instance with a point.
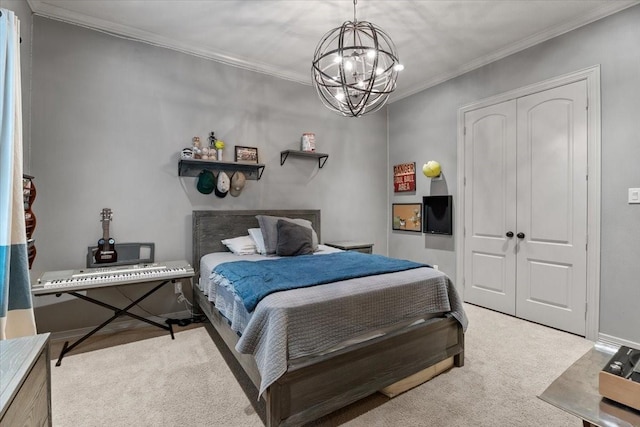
(436, 40)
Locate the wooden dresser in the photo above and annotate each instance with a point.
(25, 381)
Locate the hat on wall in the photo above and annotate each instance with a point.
(222, 186)
(206, 182)
(237, 184)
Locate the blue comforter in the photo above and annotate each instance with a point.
(254, 280)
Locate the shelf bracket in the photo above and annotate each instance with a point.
(321, 161)
(283, 157)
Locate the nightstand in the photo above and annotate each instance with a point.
(347, 245)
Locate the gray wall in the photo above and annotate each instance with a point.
(424, 126)
(23, 12)
(110, 117)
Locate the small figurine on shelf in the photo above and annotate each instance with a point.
(197, 148)
(211, 149)
(215, 147)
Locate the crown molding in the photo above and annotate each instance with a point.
(54, 12)
(123, 31)
(605, 10)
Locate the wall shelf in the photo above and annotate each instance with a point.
(192, 167)
(322, 158)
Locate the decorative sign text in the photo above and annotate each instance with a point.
(404, 177)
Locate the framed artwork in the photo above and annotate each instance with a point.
(406, 216)
(404, 177)
(246, 154)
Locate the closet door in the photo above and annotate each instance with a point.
(525, 207)
(490, 207)
(552, 207)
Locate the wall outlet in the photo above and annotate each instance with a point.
(178, 287)
(634, 195)
(435, 266)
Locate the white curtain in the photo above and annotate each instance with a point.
(16, 308)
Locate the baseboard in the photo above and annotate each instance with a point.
(117, 326)
(612, 341)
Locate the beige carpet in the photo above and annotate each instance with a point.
(186, 382)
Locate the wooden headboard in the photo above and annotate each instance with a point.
(210, 227)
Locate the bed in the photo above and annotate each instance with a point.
(319, 384)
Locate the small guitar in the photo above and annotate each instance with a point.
(106, 245)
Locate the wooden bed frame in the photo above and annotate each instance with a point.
(326, 383)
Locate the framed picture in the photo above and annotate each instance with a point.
(406, 216)
(404, 177)
(246, 154)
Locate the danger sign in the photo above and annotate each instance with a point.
(404, 177)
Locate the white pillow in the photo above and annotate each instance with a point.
(242, 245)
(258, 239)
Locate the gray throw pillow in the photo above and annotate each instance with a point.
(268, 226)
(293, 239)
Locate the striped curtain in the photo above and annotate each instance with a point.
(16, 309)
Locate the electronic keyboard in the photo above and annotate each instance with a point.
(75, 280)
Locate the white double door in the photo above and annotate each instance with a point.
(525, 207)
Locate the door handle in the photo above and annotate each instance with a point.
(520, 235)
(509, 234)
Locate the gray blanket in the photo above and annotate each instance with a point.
(309, 321)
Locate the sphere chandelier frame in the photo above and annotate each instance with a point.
(355, 68)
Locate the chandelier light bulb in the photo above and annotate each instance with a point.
(348, 65)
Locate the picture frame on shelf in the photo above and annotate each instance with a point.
(406, 217)
(247, 155)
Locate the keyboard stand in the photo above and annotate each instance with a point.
(118, 312)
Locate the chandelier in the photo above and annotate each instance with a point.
(355, 68)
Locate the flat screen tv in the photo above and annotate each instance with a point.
(436, 215)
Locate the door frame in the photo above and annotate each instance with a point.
(592, 77)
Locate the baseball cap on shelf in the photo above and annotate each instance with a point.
(206, 182)
(237, 184)
(222, 185)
